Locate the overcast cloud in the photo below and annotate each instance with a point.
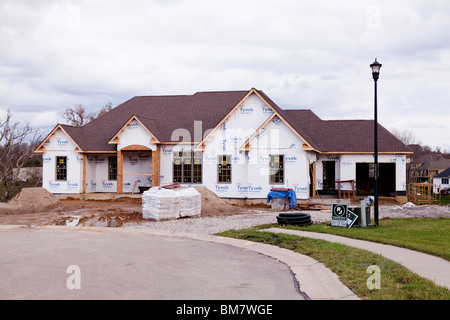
(303, 54)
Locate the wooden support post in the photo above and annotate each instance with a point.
(119, 172)
(156, 166)
(84, 173)
(314, 178)
(353, 191)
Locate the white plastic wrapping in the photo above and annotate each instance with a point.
(190, 202)
(164, 204)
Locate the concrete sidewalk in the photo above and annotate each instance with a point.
(425, 265)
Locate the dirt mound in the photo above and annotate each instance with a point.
(30, 200)
(213, 206)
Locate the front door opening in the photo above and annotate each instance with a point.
(329, 175)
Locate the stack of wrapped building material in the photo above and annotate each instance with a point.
(163, 204)
(190, 202)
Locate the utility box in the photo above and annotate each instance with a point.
(363, 213)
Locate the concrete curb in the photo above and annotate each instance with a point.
(315, 280)
(428, 266)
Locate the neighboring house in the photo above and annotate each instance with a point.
(425, 167)
(239, 144)
(442, 181)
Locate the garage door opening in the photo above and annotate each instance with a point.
(365, 179)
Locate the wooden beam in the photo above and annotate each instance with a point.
(103, 152)
(313, 177)
(119, 172)
(246, 145)
(135, 147)
(84, 172)
(156, 166)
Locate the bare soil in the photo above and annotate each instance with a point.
(39, 207)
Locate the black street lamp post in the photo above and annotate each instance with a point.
(376, 73)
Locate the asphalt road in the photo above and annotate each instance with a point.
(64, 264)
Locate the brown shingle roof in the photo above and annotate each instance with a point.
(164, 114)
(160, 114)
(356, 136)
(306, 123)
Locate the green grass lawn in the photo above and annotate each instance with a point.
(426, 235)
(350, 264)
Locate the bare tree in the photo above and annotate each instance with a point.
(108, 107)
(77, 115)
(406, 136)
(17, 145)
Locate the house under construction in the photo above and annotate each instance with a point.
(239, 144)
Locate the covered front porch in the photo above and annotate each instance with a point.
(126, 171)
(137, 167)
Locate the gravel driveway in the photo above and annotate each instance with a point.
(212, 225)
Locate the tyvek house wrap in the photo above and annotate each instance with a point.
(250, 169)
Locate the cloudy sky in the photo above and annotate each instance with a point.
(303, 54)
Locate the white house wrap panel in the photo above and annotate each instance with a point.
(277, 139)
(134, 133)
(60, 146)
(137, 166)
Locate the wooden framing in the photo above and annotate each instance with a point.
(306, 147)
(136, 147)
(119, 172)
(84, 172)
(312, 177)
(422, 193)
(246, 146)
(346, 193)
(156, 166)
